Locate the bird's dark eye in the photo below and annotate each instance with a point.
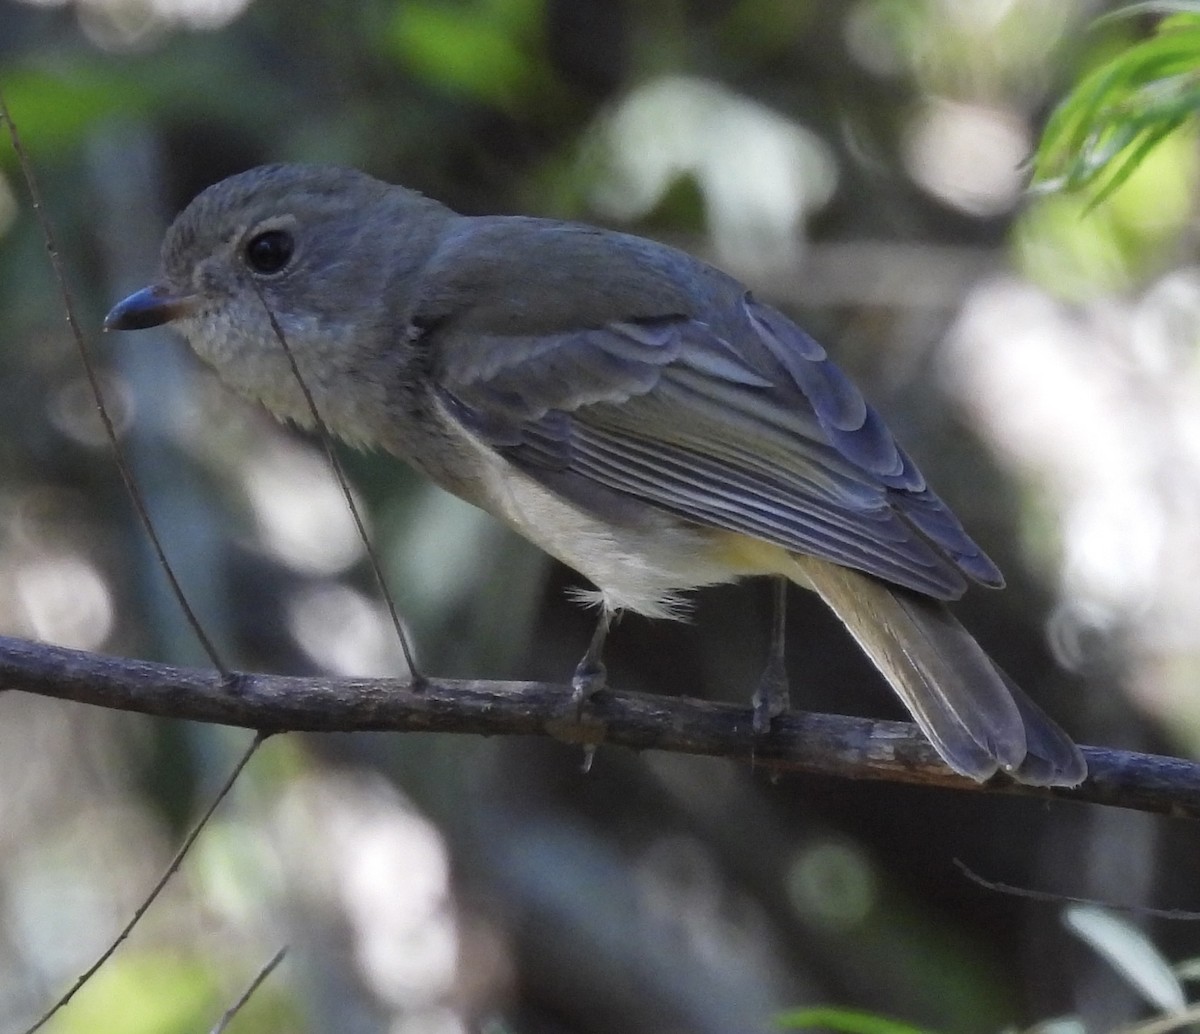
(269, 251)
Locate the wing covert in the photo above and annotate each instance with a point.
(767, 438)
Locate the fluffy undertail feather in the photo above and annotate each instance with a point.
(977, 718)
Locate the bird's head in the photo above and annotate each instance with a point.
(321, 249)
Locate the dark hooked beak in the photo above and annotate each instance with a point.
(150, 307)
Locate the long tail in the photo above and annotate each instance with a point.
(976, 716)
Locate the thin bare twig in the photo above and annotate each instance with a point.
(327, 441)
(143, 514)
(170, 871)
(263, 973)
(131, 487)
(1050, 897)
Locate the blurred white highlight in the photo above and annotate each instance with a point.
(760, 173)
(122, 24)
(1101, 404)
(65, 600)
(301, 512)
(968, 155)
(345, 632)
(384, 870)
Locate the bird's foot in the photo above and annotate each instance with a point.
(590, 677)
(771, 698)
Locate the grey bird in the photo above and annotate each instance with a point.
(631, 410)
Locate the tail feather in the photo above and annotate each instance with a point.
(979, 721)
(1052, 759)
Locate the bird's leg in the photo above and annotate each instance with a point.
(590, 674)
(771, 696)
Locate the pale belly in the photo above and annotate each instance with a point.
(644, 568)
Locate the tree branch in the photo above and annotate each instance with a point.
(799, 741)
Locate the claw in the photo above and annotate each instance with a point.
(590, 674)
(590, 677)
(771, 698)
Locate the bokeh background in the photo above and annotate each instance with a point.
(859, 163)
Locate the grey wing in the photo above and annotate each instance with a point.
(766, 437)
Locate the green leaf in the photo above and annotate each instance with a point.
(847, 1020)
(1130, 161)
(1104, 129)
(1133, 235)
(1150, 7)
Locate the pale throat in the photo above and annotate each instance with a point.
(259, 369)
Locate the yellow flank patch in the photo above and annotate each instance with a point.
(748, 555)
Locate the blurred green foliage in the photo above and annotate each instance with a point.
(57, 105)
(1115, 171)
(1080, 245)
(150, 992)
(490, 51)
(1108, 124)
(845, 1020)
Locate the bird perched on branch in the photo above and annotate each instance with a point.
(634, 412)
